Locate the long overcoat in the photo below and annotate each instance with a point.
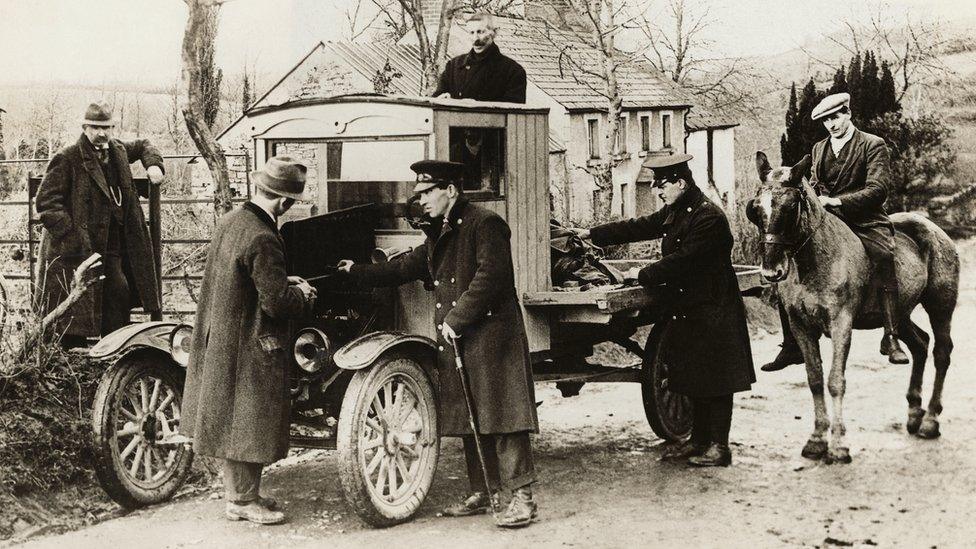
(489, 76)
(469, 266)
(862, 182)
(705, 342)
(74, 204)
(236, 403)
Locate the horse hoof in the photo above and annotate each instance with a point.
(814, 449)
(839, 455)
(929, 429)
(914, 422)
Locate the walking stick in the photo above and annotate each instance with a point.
(472, 418)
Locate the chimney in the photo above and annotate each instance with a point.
(431, 10)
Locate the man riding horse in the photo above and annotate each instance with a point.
(851, 173)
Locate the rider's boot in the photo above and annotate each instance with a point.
(889, 343)
(790, 352)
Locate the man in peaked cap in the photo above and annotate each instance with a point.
(236, 401)
(467, 261)
(705, 341)
(88, 204)
(852, 172)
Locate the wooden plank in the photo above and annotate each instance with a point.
(530, 186)
(542, 227)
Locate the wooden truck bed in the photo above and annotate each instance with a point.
(599, 304)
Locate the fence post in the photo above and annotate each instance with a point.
(155, 235)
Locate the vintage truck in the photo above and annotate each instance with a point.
(363, 376)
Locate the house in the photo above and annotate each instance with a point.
(658, 117)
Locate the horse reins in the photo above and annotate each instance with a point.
(771, 238)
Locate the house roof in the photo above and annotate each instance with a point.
(703, 119)
(561, 64)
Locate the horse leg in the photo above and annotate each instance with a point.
(941, 352)
(840, 336)
(809, 342)
(918, 345)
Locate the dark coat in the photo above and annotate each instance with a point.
(469, 267)
(863, 182)
(74, 204)
(236, 403)
(706, 341)
(489, 76)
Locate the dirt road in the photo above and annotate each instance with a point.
(603, 486)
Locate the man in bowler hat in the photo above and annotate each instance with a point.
(852, 172)
(236, 404)
(88, 204)
(705, 341)
(467, 261)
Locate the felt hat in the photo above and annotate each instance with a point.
(98, 114)
(283, 176)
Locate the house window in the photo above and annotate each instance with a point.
(645, 129)
(622, 136)
(666, 130)
(593, 137)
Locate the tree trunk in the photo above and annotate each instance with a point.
(433, 56)
(197, 38)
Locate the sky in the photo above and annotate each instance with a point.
(98, 42)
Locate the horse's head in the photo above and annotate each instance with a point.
(778, 212)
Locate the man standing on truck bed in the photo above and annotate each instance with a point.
(482, 74)
(467, 261)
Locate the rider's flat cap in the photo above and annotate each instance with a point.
(831, 104)
(433, 173)
(668, 168)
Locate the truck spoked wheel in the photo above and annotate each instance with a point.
(388, 441)
(140, 459)
(668, 413)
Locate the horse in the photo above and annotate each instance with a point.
(824, 280)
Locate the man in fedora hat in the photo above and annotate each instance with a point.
(467, 261)
(88, 204)
(705, 341)
(236, 403)
(851, 172)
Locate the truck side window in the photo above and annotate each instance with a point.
(482, 151)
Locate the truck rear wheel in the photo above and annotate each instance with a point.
(668, 413)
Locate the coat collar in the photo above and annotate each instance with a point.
(92, 165)
(262, 215)
(686, 203)
(821, 148)
(490, 53)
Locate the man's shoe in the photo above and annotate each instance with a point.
(783, 359)
(683, 451)
(521, 510)
(717, 455)
(890, 347)
(253, 512)
(475, 503)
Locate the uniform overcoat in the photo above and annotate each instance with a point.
(488, 76)
(861, 183)
(705, 342)
(236, 403)
(74, 204)
(469, 266)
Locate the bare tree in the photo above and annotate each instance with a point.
(433, 54)
(677, 45)
(361, 16)
(198, 38)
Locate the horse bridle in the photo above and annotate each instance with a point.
(789, 244)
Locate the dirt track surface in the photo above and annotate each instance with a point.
(602, 485)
